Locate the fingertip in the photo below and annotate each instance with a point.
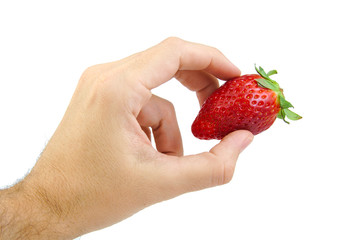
(234, 143)
(242, 138)
(226, 71)
(232, 70)
(238, 71)
(235, 72)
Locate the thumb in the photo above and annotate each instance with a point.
(208, 169)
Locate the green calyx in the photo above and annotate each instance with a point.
(267, 82)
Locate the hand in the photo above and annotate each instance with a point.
(100, 167)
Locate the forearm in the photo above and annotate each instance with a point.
(22, 217)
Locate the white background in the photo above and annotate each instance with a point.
(288, 184)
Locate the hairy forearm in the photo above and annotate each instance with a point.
(17, 217)
(22, 217)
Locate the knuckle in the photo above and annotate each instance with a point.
(91, 76)
(95, 84)
(223, 173)
(169, 105)
(173, 41)
(168, 108)
(228, 173)
(215, 49)
(89, 72)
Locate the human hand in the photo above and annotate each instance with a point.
(100, 166)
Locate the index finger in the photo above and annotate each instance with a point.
(161, 62)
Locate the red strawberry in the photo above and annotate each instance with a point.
(250, 102)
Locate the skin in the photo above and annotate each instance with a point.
(100, 166)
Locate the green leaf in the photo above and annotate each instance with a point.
(284, 103)
(272, 72)
(268, 84)
(291, 115)
(281, 115)
(261, 72)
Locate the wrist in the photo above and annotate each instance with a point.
(23, 217)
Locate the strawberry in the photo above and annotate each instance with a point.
(251, 102)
